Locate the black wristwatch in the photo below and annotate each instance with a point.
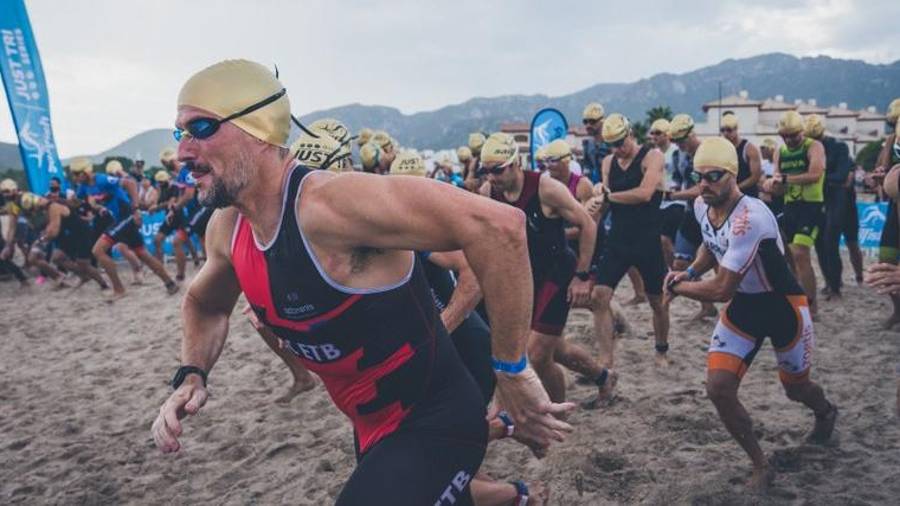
(583, 275)
(182, 373)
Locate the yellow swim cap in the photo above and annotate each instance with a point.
(322, 152)
(499, 148)
(893, 111)
(168, 155)
(730, 120)
(558, 150)
(593, 111)
(476, 142)
(231, 86)
(541, 154)
(615, 128)
(681, 126)
(162, 177)
(382, 139)
(769, 143)
(30, 201)
(337, 130)
(717, 152)
(464, 154)
(365, 135)
(114, 168)
(660, 125)
(408, 163)
(80, 165)
(790, 123)
(814, 127)
(8, 185)
(370, 155)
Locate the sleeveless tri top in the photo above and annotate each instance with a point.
(376, 350)
(632, 218)
(546, 236)
(744, 168)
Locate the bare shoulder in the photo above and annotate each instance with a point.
(220, 231)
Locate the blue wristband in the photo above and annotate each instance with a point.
(510, 367)
(691, 273)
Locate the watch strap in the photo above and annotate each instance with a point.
(182, 373)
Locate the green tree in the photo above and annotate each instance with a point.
(660, 111)
(868, 155)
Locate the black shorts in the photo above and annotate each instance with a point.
(472, 340)
(643, 251)
(434, 454)
(671, 220)
(551, 290)
(851, 219)
(177, 223)
(803, 221)
(199, 220)
(125, 232)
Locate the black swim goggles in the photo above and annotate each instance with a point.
(204, 128)
(713, 176)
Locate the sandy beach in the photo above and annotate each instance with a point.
(81, 382)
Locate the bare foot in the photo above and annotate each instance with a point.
(706, 311)
(113, 297)
(662, 360)
(637, 299)
(605, 394)
(296, 389)
(762, 479)
(823, 427)
(172, 287)
(138, 278)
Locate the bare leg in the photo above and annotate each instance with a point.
(601, 299)
(86, 269)
(157, 267)
(660, 329)
(640, 294)
(812, 396)
(856, 260)
(180, 259)
(805, 273)
(158, 246)
(722, 387)
(192, 250)
(303, 380)
(133, 261)
(541, 348)
(36, 259)
(101, 253)
(575, 358)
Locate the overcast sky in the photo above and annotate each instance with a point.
(114, 67)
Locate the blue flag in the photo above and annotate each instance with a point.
(26, 92)
(547, 126)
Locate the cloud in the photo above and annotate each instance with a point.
(114, 68)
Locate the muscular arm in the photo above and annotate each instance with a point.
(753, 158)
(210, 298)
(721, 288)
(399, 213)
(467, 293)
(54, 220)
(583, 192)
(704, 262)
(654, 164)
(555, 195)
(185, 197)
(130, 187)
(816, 166)
(884, 156)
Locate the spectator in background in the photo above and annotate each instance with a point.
(595, 149)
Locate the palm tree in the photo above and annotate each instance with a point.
(660, 111)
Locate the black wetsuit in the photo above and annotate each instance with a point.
(634, 236)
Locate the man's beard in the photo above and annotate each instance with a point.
(222, 193)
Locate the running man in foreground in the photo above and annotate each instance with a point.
(364, 320)
(741, 235)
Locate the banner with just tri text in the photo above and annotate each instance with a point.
(26, 92)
